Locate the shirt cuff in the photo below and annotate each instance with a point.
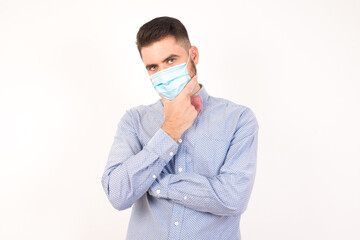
(160, 186)
(163, 145)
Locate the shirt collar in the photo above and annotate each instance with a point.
(203, 94)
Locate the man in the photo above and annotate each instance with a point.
(187, 162)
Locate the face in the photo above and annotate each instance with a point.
(168, 53)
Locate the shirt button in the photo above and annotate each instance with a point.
(176, 223)
(180, 140)
(180, 169)
(171, 154)
(154, 176)
(185, 197)
(158, 191)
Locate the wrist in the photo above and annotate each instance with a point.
(173, 134)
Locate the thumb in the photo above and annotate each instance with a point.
(188, 88)
(165, 100)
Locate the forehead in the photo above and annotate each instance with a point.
(159, 50)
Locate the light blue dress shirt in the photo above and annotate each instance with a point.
(193, 189)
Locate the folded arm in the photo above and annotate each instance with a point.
(225, 194)
(131, 168)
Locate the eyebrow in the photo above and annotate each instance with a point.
(165, 60)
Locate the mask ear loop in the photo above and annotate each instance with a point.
(188, 61)
(189, 75)
(188, 58)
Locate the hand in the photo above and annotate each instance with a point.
(179, 112)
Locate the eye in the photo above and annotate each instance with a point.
(171, 60)
(152, 68)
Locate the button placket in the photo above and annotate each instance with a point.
(176, 219)
(178, 210)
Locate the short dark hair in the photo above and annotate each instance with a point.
(159, 28)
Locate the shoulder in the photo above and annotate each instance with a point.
(242, 114)
(229, 106)
(141, 110)
(136, 113)
(217, 101)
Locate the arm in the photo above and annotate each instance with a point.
(130, 168)
(226, 194)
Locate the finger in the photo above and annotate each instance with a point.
(189, 86)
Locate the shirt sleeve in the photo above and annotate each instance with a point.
(227, 193)
(131, 168)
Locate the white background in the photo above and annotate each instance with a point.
(70, 69)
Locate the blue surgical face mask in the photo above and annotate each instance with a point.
(171, 81)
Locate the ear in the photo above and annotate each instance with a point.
(194, 54)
